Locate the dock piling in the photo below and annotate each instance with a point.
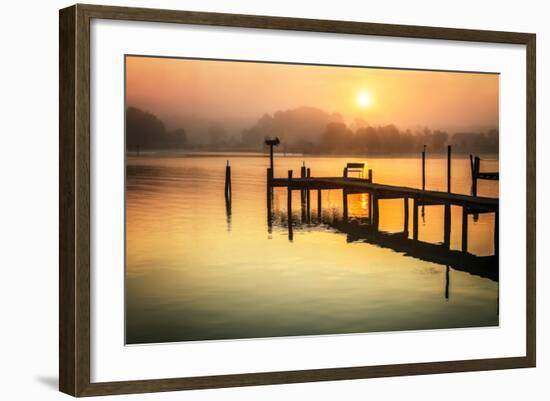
(447, 282)
(449, 168)
(406, 216)
(415, 219)
(464, 229)
(447, 227)
(289, 206)
(308, 197)
(375, 212)
(269, 196)
(345, 204)
(319, 200)
(228, 182)
(424, 168)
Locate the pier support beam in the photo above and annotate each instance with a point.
(464, 229)
(447, 282)
(319, 209)
(406, 216)
(289, 206)
(375, 212)
(449, 168)
(303, 194)
(269, 196)
(424, 168)
(308, 197)
(345, 204)
(447, 227)
(415, 219)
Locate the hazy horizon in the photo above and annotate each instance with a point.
(239, 93)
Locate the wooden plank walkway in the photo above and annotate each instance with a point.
(355, 185)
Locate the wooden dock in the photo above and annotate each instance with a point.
(383, 191)
(471, 205)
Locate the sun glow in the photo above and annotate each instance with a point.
(364, 99)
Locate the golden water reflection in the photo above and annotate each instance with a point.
(196, 272)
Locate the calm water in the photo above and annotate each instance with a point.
(196, 272)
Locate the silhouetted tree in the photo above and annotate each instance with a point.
(145, 131)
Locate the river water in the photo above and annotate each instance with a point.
(198, 270)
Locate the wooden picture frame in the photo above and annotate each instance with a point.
(74, 206)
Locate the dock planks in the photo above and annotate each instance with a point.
(356, 185)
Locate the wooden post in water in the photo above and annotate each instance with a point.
(415, 219)
(269, 198)
(345, 204)
(474, 183)
(406, 216)
(271, 157)
(308, 197)
(424, 168)
(447, 227)
(375, 212)
(447, 282)
(228, 182)
(464, 229)
(449, 168)
(319, 210)
(303, 193)
(289, 206)
(474, 176)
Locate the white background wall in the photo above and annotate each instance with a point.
(29, 185)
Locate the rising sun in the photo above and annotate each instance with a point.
(363, 99)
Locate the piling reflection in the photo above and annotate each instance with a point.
(366, 229)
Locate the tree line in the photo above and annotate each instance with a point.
(306, 130)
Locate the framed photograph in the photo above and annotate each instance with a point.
(250, 200)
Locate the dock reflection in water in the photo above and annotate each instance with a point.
(201, 268)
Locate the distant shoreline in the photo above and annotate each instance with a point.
(184, 153)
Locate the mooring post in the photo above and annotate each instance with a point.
(406, 216)
(302, 191)
(447, 227)
(271, 157)
(319, 199)
(308, 196)
(375, 212)
(269, 198)
(289, 205)
(464, 229)
(345, 204)
(415, 219)
(424, 168)
(474, 184)
(475, 175)
(228, 182)
(449, 168)
(447, 282)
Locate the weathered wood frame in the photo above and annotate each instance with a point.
(74, 203)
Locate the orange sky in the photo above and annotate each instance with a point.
(247, 90)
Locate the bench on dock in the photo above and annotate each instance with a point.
(354, 168)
